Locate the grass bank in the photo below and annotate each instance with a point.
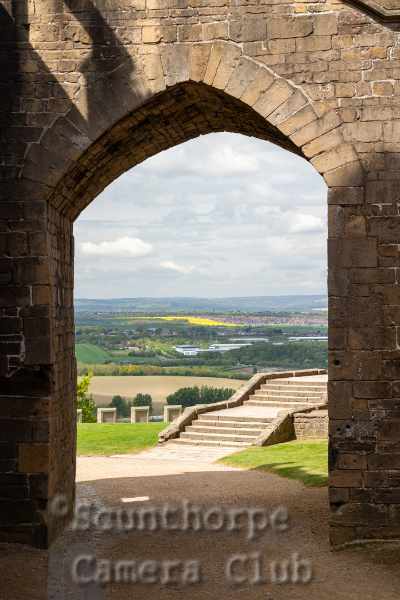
(121, 438)
(303, 461)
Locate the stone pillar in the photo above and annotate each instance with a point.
(37, 369)
(106, 415)
(364, 362)
(140, 414)
(79, 415)
(172, 412)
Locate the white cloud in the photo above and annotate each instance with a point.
(225, 158)
(303, 223)
(224, 214)
(121, 247)
(173, 266)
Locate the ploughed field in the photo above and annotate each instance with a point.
(158, 386)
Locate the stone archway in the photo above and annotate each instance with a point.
(131, 97)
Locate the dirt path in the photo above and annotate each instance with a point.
(178, 474)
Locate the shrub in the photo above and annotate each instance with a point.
(122, 406)
(143, 400)
(85, 401)
(190, 396)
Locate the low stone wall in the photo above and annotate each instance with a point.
(312, 425)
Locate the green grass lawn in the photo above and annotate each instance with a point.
(91, 354)
(120, 438)
(304, 461)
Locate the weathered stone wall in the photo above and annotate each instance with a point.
(312, 425)
(91, 88)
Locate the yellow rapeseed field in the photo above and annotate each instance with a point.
(199, 321)
(190, 319)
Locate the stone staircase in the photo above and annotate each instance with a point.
(290, 393)
(213, 430)
(240, 427)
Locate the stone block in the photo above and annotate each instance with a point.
(298, 120)
(355, 226)
(313, 130)
(199, 57)
(175, 60)
(289, 27)
(294, 103)
(227, 65)
(244, 74)
(153, 72)
(190, 33)
(106, 415)
(386, 229)
(282, 46)
(276, 95)
(216, 31)
(372, 389)
(217, 51)
(172, 412)
(391, 131)
(157, 33)
(357, 252)
(345, 478)
(313, 43)
(248, 29)
(140, 414)
(381, 191)
(373, 338)
(350, 175)
(33, 458)
(325, 24)
(257, 87)
(346, 195)
(332, 159)
(323, 143)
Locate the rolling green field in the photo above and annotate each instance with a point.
(122, 438)
(91, 354)
(304, 461)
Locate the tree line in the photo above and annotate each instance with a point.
(186, 396)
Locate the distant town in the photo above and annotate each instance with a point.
(212, 343)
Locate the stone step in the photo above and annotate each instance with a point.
(298, 394)
(282, 405)
(227, 422)
(242, 419)
(223, 429)
(191, 442)
(286, 398)
(296, 382)
(279, 386)
(224, 438)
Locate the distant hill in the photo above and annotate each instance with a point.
(301, 303)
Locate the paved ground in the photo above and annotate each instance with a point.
(176, 474)
(170, 459)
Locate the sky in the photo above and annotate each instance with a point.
(221, 215)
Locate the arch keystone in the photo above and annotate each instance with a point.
(227, 65)
(199, 57)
